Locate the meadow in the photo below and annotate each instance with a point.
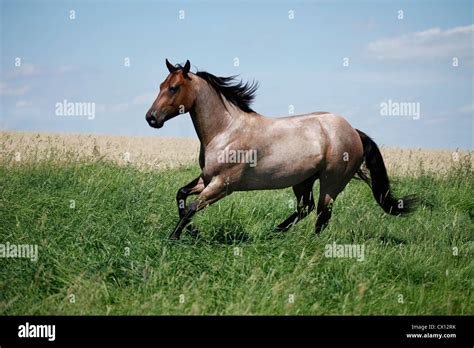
(102, 233)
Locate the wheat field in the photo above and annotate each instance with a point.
(168, 152)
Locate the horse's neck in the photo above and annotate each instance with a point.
(209, 114)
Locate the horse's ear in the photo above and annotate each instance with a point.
(171, 67)
(186, 68)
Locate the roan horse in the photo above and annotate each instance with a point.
(290, 151)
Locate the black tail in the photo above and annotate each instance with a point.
(379, 180)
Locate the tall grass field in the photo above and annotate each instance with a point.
(102, 235)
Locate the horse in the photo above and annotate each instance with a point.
(275, 153)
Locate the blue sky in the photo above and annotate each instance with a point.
(297, 61)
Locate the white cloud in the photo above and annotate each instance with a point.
(467, 109)
(31, 70)
(463, 114)
(11, 91)
(142, 99)
(64, 69)
(120, 107)
(27, 70)
(432, 43)
(22, 104)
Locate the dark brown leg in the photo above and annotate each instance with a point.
(194, 187)
(304, 197)
(324, 212)
(330, 186)
(210, 194)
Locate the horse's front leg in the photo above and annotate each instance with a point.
(193, 188)
(211, 193)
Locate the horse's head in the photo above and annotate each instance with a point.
(176, 96)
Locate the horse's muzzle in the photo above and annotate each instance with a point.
(153, 121)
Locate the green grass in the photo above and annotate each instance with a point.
(111, 251)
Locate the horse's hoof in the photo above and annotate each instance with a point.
(174, 237)
(279, 230)
(194, 232)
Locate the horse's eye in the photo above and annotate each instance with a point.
(173, 89)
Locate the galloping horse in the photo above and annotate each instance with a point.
(290, 151)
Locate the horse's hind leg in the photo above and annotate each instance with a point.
(305, 204)
(330, 187)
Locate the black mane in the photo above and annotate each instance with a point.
(237, 92)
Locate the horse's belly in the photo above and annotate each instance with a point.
(278, 174)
